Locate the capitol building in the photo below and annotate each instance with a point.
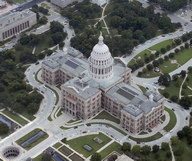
(101, 82)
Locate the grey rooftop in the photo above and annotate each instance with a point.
(14, 17)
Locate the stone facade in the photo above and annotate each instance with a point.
(16, 22)
(101, 82)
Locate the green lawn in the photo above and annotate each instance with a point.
(30, 134)
(111, 148)
(167, 67)
(15, 117)
(57, 145)
(78, 143)
(162, 44)
(173, 88)
(143, 89)
(18, 1)
(160, 156)
(38, 158)
(172, 122)
(105, 115)
(186, 153)
(147, 139)
(188, 82)
(147, 52)
(44, 43)
(28, 116)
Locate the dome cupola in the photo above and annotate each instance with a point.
(101, 61)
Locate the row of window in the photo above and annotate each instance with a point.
(15, 30)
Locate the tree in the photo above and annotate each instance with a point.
(145, 150)
(174, 141)
(190, 69)
(136, 149)
(185, 102)
(43, 20)
(149, 67)
(57, 37)
(95, 157)
(155, 148)
(126, 147)
(55, 26)
(164, 146)
(4, 129)
(183, 73)
(174, 98)
(164, 79)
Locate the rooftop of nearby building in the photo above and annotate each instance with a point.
(12, 17)
(124, 158)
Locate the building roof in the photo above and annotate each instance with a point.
(82, 87)
(14, 17)
(124, 158)
(100, 51)
(67, 62)
(133, 101)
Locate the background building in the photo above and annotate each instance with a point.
(14, 23)
(64, 3)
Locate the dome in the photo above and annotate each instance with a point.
(100, 50)
(100, 61)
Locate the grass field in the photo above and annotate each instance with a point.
(78, 143)
(111, 148)
(186, 153)
(105, 115)
(173, 88)
(167, 67)
(15, 117)
(29, 135)
(57, 145)
(147, 52)
(147, 139)
(172, 122)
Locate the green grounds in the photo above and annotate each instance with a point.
(15, 117)
(173, 88)
(161, 155)
(147, 52)
(17, 1)
(29, 135)
(172, 122)
(182, 151)
(187, 85)
(106, 116)
(66, 151)
(57, 145)
(114, 147)
(168, 66)
(147, 139)
(78, 143)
